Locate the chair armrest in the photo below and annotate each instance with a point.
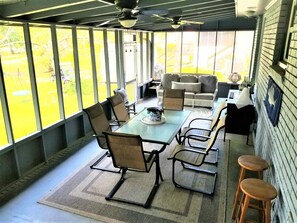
(189, 129)
(199, 119)
(152, 155)
(200, 138)
(132, 112)
(187, 150)
(113, 123)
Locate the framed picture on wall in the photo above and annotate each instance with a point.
(273, 101)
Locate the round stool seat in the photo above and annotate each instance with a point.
(258, 189)
(252, 163)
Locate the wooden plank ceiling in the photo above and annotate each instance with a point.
(152, 15)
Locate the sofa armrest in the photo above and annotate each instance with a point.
(215, 93)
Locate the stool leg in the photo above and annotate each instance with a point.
(244, 209)
(260, 175)
(261, 211)
(267, 206)
(261, 203)
(237, 194)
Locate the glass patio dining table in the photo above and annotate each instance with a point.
(160, 133)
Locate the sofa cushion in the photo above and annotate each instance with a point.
(188, 79)
(189, 87)
(168, 78)
(204, 96)
(209, 83)
(189, 95)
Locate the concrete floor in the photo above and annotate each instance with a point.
(24, 207)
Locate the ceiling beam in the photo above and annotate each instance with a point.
(33, 6)
(210, 11)
(66, 10)
(143, 4)
(207, 7)
(86, 14)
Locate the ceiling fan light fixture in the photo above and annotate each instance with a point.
(175, 25)
(128, 22)
(250, 13)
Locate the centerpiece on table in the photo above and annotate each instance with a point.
(154, 116)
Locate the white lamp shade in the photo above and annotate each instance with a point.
(244, 98)
(128, 23)
(175, 26)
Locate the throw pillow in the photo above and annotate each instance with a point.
(167, 80)
(209, 83)
(123, 93)
(189, 87)
(189, 78)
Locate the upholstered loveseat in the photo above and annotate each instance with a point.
(201, 89)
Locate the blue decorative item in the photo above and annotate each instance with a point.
(273, 101)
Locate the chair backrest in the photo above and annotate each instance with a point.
(118, 107)
(126, 151)
(99, 123)
(216, 118)
(215, 134)
(173, 99)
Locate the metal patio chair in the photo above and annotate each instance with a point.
(99, 123)
(127, 153)
(173, 99)
(193, 158)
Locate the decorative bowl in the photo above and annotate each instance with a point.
(155, 114)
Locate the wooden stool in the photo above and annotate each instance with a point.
(251, 163)
(259, 190)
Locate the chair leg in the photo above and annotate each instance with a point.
(94, 165)
(178, 137)
(158, 169)
(153, 191)
(118, 185)
(211, 192)
(156, 185)
(247, 139)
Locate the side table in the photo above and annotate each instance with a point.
(130, 106)
(238, 121)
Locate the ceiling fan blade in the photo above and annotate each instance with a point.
(106, 22)
(144, 18)
(190, 22)
(149, 12)
(162, 17)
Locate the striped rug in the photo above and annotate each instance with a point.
(84, 193)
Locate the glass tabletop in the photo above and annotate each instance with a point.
(162, 133)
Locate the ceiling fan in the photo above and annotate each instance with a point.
(175, 16)
(129, 13)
